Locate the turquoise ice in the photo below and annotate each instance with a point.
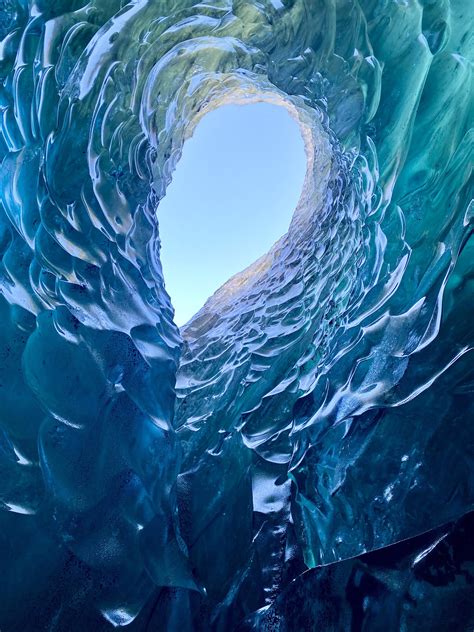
(300, 456)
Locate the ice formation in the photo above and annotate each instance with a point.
(300, 456)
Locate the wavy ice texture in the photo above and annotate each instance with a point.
(322, 413)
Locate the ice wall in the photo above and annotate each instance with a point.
(317, 412)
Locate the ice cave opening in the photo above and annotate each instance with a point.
(232, 196)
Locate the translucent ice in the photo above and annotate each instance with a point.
(317, 412)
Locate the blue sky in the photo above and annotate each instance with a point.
(232, 196)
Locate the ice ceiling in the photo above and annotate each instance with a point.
(301, 458)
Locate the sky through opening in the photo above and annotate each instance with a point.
(233, 194)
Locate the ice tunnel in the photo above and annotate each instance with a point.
(300, 456)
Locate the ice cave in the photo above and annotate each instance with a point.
(300, 456)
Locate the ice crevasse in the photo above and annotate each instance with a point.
(300, 456)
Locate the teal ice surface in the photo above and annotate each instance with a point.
(316, 412)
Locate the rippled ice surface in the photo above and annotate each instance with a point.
(300, 456)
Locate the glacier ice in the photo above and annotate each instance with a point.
(300, 455)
